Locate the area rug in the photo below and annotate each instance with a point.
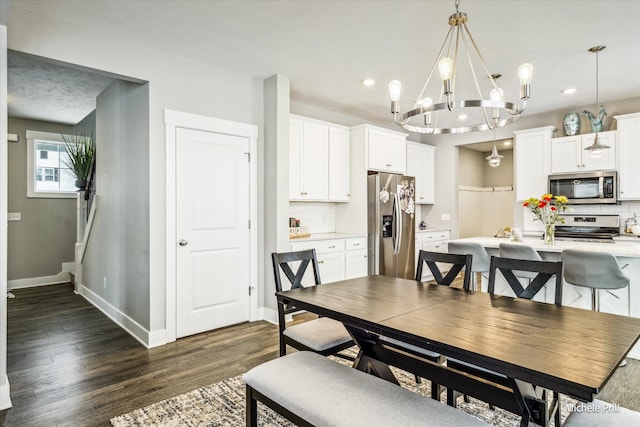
(223, 404)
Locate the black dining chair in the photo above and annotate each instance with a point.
(537, 273)
(439, 261)
(323, 335)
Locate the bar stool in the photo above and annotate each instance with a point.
(481, 259)
(593, 270)
(520, 251)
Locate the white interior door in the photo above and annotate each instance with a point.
(213, 247)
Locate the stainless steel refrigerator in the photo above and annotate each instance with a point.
(391, 206)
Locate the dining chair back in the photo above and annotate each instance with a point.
(455, 261)
(322, 335)
(480, 256)
(541, 272)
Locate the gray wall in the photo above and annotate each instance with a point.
(118, 248)
(501, 176)
(46, 235)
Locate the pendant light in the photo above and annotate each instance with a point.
(494, 159)
(597, 149)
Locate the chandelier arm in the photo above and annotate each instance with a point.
(473, 71)
(435, 64)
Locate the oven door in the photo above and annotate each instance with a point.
(584, 188)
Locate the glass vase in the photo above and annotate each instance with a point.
(549, 234)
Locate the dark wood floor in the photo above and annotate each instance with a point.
(68, 364)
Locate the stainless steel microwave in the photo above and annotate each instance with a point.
(586, 187)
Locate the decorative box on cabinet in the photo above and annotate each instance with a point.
(568, 153)
(432, 241)
(532, 161)
(628, 155)
(421, 165)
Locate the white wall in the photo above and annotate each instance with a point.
(174, 82)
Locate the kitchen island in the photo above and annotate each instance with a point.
(624, 301)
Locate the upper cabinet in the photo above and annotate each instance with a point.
(339, 164)
(318, 160)
(386, 150)
(568, 153)
(532, 161)
(628, 155)
(421, 165)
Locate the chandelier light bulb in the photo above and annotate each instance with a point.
(525, 71)
(445, 66)
(496, 95)
(394, 90)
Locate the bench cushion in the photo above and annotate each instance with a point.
(601, 414)
(318, 334)
(326, 393)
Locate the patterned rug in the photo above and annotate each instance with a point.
(223, 404)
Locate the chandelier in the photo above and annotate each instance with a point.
(597, 148)
(424, 116)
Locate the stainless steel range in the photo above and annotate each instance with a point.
(585, 227)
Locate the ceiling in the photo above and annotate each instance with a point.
(327, 48)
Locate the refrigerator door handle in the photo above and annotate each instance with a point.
(397, 222)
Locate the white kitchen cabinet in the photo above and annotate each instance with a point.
(421, 165)
(568, 153)
(338, 259)
(432, 241)
(385, 150)
(356, 261)
(308, 160)
(532, 161)
(339, 164)
(628, 155)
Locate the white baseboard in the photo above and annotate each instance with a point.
(146, 338)
(269, 314)
(30, 282)
(5, 394)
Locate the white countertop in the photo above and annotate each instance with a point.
(618, 249)
(327, 236)
(426, 230)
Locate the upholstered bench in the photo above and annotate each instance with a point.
(310, 389)
(601, 414)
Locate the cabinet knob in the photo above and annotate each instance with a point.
(320, 262)
(421, 198)
(332, 246)
(388, 165)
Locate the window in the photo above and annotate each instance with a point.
(48, 175)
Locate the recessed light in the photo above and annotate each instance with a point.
(368, 82)
(569, 91)
(462, 117)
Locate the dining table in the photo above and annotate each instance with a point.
(538, 347)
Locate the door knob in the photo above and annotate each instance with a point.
(183, 242)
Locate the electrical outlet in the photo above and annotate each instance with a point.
(14, 216)
(104, 281)
(445, 217)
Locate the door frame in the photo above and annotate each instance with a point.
(176, 119)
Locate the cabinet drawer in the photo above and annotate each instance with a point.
(432, 236)
(357, 243)
(321, 246)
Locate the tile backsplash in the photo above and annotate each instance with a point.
(318, 217)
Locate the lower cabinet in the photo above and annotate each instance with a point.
(338, 259)
(432, 241)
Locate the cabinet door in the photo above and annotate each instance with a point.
(356, 263)
(295, 160)
(339, 165)
(629, 153)
(566, 154)
(421, 164)
(532, 162)
(615, 301)
(387, 152)
(315, 163)
(331, 266)
(397, 153)
(608, 159)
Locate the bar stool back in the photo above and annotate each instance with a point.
(594, 270)
(481, 259)
(520, 251)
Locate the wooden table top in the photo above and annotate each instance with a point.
(570, 350)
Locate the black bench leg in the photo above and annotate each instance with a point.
(252, 408)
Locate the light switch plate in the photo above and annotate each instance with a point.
(445, 217)
(14, 216)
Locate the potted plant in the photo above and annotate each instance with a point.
(81, 149)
